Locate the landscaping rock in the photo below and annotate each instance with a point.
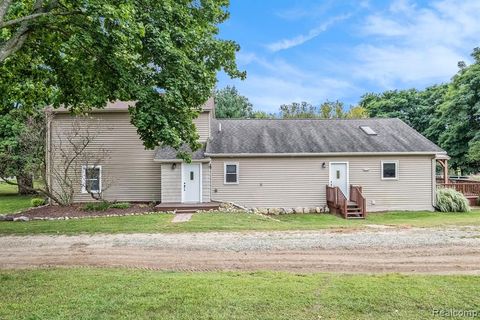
(287, 210)
(274, 211)
(318, 210)
(263, 210)
(298, 210)
(21, 219)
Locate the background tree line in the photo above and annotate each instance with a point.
(448, 114)
(229, 103)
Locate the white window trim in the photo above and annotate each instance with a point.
(225, 172)
(397, 169)
(84, 178)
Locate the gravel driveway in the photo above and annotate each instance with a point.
(414, 250)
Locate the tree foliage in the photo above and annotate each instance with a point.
(459, 117)
(229, 103)
(448, 114)
(162, 54)
(327, 110)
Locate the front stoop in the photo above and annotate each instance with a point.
(180, 208)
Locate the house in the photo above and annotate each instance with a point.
(348, 165)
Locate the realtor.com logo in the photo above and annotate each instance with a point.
(456, 313)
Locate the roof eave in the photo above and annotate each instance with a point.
(179, 160)
(324, 154)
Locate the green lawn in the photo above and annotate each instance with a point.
(235, 222)
(88, 293)
(10, 201)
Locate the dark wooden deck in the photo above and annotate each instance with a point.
(353, 208)
(187, 207)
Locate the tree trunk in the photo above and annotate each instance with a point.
(25, 184)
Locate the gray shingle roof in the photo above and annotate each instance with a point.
(315, 136)
(170, 154)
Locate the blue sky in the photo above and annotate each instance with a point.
(307, 50)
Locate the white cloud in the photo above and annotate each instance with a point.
(300, 39)
(416, 46)
(276, 82)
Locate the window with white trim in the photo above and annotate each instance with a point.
(389, 170)
(91, 179)
(231, 173)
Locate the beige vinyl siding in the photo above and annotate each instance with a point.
(129, 172)
(202, 123)
(301, 181)
(172, 182)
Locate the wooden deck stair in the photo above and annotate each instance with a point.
(353, 208)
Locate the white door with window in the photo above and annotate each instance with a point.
(339, 176)
(191, 182)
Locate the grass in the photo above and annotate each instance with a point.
(10, 201)
(89, 293)
(236, 222)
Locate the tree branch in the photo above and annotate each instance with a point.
(18, 39)
(4, 8)
(36, 16)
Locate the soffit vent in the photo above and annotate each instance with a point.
(368, 130)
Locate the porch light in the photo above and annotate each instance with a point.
(324, 165)
(174, 165)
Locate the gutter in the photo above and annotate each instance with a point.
(205, 160)
(316, 154)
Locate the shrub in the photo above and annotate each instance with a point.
(120, 205)
(37, 202)
(96, 206)
(450, 200)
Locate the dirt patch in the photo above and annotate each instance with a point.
(430, 251)
(76, 210)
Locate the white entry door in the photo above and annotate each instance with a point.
(339, 176)
(192, 181)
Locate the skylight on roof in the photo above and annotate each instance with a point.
(368, 130)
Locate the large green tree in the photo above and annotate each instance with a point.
(163, 54)
(416, 108)
(459, 117)
(229, 103)
(81, 54)
(448, 114)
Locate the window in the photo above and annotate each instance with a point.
(91, 179)
(231, 173)
(389, 170)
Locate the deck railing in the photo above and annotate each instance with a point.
(337, 200)
(467, 189)
(357, 196)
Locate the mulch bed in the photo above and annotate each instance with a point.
(77, 211)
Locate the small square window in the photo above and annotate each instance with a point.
(91, 179)
(231, 173)
(389, 170)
